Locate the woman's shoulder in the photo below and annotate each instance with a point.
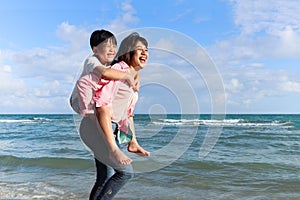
(120, 65)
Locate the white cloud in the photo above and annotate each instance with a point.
(181, 15)
(9, 83)
(234, 85)
(128, 17)
(247, 85)
(129, 12)
(269, 32)
(35, 78)
(268, 29)
(76, 36)
(171, 89)
(269, 16)
(6, 68)
(30, 95)
(290, 86)
(288, 44)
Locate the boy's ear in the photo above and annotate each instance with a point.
(94, 49)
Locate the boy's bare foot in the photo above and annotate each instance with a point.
(134, 147)
(119, 157)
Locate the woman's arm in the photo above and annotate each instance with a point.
(137, 82)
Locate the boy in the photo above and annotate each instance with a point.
(103, 44)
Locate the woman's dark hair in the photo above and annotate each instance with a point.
(99, 36)
(126, 50)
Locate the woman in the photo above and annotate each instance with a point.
(114, 168)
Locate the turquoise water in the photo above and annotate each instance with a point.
(255, 157)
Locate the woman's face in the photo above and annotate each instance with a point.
(140, 56)
(106, 51)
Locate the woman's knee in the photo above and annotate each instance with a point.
(125, 175)
(129, 175)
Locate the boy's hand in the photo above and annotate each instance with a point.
(129, 78)
(133, 79)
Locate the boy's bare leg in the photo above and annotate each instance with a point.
(104, 120)
(134, 146)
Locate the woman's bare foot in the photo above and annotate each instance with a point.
(119, 157)
(134, 147)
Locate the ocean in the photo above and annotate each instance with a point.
(193, 157)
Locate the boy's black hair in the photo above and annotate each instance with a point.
(126, 50)
(99, 36)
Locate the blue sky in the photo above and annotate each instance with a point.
(253, 45)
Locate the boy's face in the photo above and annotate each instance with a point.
(106, 51)
(140, 56)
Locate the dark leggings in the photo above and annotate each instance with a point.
(109, 180)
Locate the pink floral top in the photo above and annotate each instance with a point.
(116, 94)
